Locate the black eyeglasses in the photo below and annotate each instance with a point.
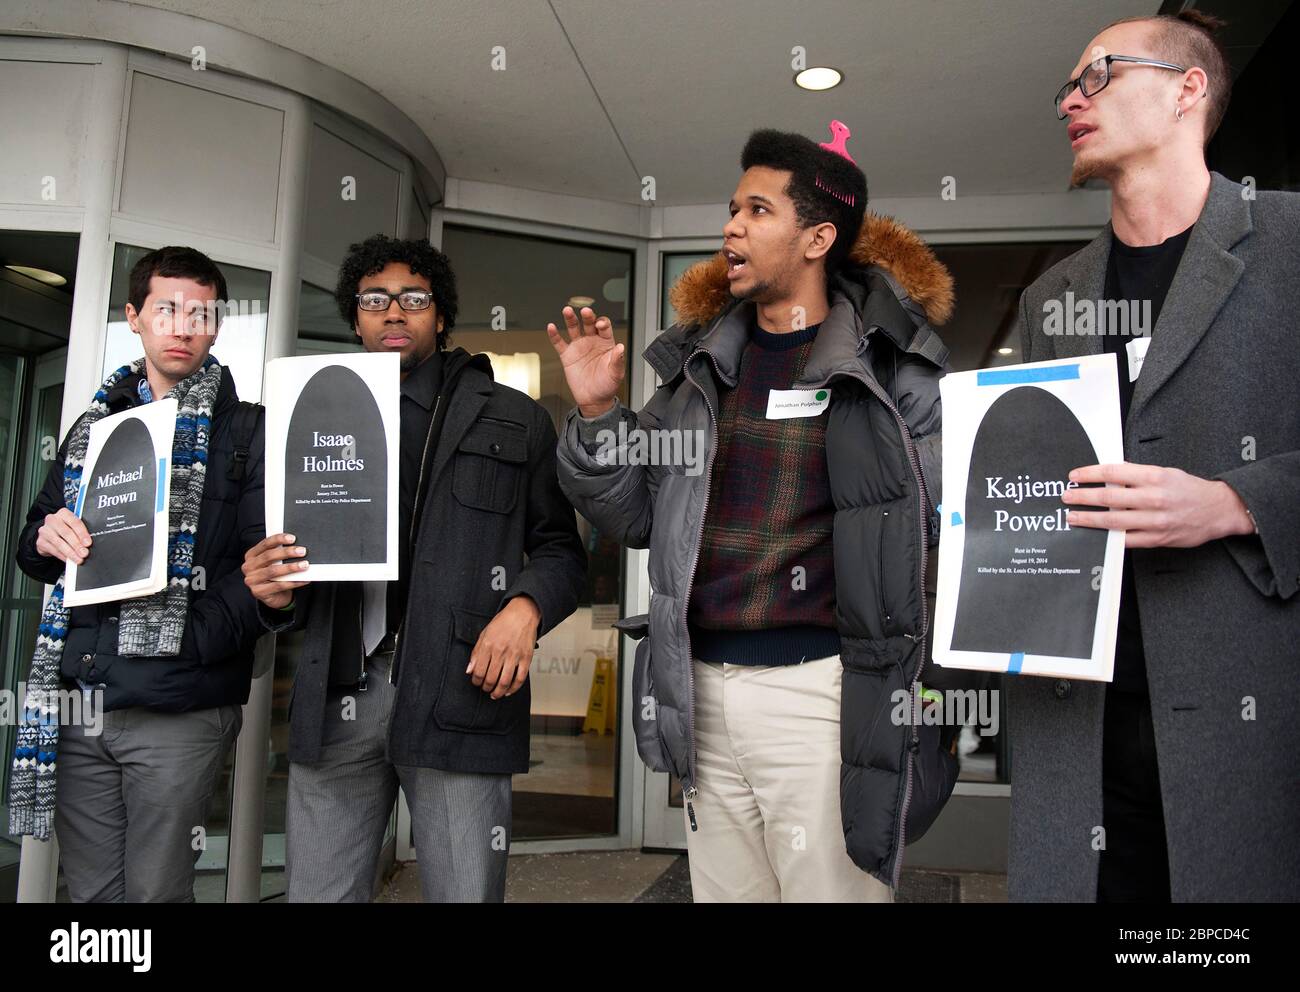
(412, 299)
(1094, 78)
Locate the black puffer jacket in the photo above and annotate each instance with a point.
(880, 357)
(215, 663)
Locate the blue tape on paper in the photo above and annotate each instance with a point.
(1013, 666)
(162, 478)
(81, 498)
(956, 520)
(1012, 377)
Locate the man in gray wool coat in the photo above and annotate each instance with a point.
(1180, 780)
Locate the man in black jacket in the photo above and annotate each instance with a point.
(422, 683)
(133, 794)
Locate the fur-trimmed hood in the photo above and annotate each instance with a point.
(702, 292)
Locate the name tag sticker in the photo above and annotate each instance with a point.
(1137, 354)
(783, 404)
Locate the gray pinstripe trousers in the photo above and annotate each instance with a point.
(339, 808)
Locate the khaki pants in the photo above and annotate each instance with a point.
(768, 769)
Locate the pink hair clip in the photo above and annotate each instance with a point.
(839, 135)
(836, 146)
(846, 197)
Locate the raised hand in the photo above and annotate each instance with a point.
(594, 363)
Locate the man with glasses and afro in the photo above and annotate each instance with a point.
(422, 683)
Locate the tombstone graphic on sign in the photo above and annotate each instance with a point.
(336, 470)
(1045, 601)
(122, 500)
(119, 509)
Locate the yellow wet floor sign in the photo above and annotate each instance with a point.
(600, 704)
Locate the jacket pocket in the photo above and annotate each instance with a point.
(487, 468)
(223, 718)
(462, 706)
(934, 773)
(885, 619)
(645, 708)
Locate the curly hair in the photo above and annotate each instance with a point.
(371, 255)
(804, 159)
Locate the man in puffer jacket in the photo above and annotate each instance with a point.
(787, 565)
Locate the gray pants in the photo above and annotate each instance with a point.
(339, 807)
(132, 802)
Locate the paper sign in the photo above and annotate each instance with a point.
(123, 501)
(332, 459)
(1020, 589)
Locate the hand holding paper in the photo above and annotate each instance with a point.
(63, 536)
(267, 563)
(1158, 507)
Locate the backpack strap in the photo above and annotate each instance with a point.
(243, 425)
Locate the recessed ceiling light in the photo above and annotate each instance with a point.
(40, 275)
(581, 301)
(1005, 351)
(818, 77)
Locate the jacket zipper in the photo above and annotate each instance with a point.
(419, 482)
(880, 571)
(693, 790)
(923, 499)
(361, 626)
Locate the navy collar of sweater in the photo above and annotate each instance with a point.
(786, 341)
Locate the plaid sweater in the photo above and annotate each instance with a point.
(764, 587)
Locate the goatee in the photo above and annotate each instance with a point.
(1085, 169)
(758, 292)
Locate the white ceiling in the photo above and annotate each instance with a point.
(671, 88)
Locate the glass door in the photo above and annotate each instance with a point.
(38, 271)
(571, 787)
(31, 398)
